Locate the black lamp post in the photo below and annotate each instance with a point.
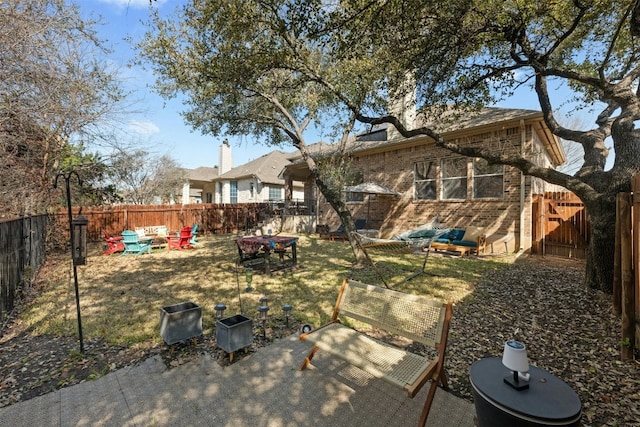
(78, 240)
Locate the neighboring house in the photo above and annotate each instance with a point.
(257, 181)
(436, 183)
(200, 187)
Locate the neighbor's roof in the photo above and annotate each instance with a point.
(266, 168)
(202, 173)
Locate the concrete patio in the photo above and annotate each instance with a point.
(264, 389)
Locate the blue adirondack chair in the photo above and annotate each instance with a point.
(133, 245)
(193, 234)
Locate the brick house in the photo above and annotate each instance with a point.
(436, 183)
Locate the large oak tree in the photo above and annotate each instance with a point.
(475, 52)
(270, 67)
(243, 71)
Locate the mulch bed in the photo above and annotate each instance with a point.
(569, 330)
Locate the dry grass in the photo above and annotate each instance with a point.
(570, 330)
(121, 297)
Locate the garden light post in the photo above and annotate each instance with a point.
(287, 312)
(77, 239)
(263, 309)
(220, 308)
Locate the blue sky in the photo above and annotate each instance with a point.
(159, 125)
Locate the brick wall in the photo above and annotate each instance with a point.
(394, 169)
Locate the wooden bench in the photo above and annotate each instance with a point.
(414, 317)
(464, 240)
(154, 231)
(478, 248)
(157, 233)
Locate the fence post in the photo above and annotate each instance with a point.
(538, 225)
(627, 282)
(635, 200)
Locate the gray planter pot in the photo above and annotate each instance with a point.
(234, 333)
(180, 322)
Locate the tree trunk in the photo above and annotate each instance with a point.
(601, 250)
(335, 199)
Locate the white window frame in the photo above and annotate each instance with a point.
(421, 181)
(477, 177)
(272, 190)
(233, 191)
(448, 179)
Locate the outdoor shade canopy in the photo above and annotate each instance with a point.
(371, 188)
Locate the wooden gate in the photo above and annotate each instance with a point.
(626, 277)
(560, 226)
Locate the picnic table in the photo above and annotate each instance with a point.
(255, 247)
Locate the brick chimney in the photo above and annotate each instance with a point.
(402, 105)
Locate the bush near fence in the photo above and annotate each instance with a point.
(22, 253)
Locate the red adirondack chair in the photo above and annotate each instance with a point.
(114, 244)
(182, 241)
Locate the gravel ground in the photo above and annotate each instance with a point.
(569, 331)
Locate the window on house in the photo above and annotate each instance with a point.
(488, 180)
(356, 178)
(209, 198)
(454, 179)
(424, 180)
(275, 193)
(233, 192)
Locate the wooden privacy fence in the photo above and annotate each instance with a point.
(560, 226)
(211, 218)
(626, 273)
(22, 252)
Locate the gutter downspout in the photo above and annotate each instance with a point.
(523, 140)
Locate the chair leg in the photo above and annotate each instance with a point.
(307, 360)
(428, 402)
(443, 379)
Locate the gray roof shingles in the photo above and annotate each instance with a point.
(266, 168)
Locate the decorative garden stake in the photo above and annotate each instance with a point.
(248, 275)
(78, 241)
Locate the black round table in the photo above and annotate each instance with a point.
(547, 401)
